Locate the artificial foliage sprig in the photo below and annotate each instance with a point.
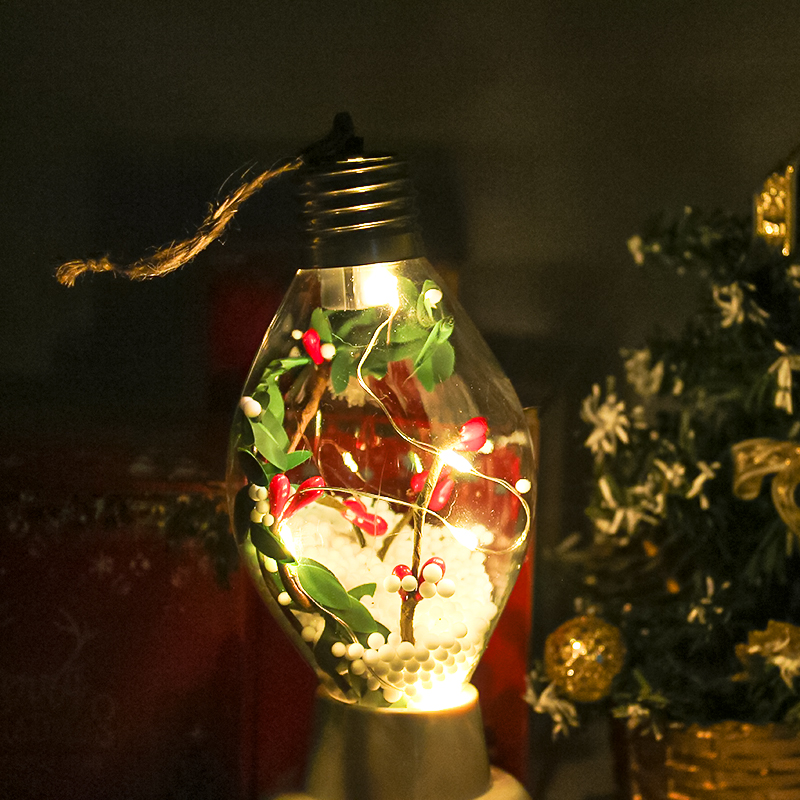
(684, 567)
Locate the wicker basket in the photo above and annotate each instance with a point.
(725, 761)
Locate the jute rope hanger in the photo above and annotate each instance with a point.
(339, 142)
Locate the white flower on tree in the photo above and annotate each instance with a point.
(610, 422)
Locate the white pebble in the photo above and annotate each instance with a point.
(376, 640)
(394, 638)
(405, 651)
(412, 665)
(440, 654)
(411, 677)
(355, 651)
(411, 690)
(284, 599)
(394, 676)
(396, 665)
(373, 683)
(250, 407)
(327, 351)
(386, 653)
(459, 630)
(427, 590)
(381, 669)
(409, 583)
(446, 587)
(308, 633)
(392, 584)
(391, 695)
(432, 573)
(447, 640)
(370, 658)
(358, 667)
(431, 641)
(338, 649)
(421, 653)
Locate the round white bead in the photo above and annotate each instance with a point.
(308, 633)
(446, 587)
(427, 590)
(405, 651)
(373, 683)
(409, 583)
(262, 506)
(355, 651)
(459, 630)
(391, 695)
(338, 649)
(358, 667)
(284, 599)
(297, 334)
(394, 638)
(375, 640)
(370, 658)
(447, 640)
(256, 516)
(386, 653)
(432, 573)
(392, 584)
(250, 407)
(327, 351)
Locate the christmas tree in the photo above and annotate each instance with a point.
(688, 581)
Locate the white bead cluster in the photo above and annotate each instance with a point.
(450, 627)
(260, 512)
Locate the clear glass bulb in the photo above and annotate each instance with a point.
(381, 480)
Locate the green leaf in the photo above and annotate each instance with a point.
(408, 292)
(407, 332)
(322, 325)
(271, 440)
(254, 470)
(342, 367)
(282, 365)
(295, 459)
(438, 367)
(242, 506)
(365, 588)
(264, 541)
(439, 334)
(357, 617)
(322, 585)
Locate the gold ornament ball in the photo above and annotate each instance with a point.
(583, 656)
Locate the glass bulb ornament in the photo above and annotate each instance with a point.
(381, 473)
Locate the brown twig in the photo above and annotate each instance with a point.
(310, 409)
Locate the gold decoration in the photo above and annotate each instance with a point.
(755, 458)
(723, 761)
(583, 656)
(775, 207)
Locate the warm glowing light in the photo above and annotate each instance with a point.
(349, 461)
(455, 460)
(465, 537)
(445, 696)
(376, 286)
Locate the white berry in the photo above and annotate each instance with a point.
(409, 583)
(250, 407)
(327, 351)
(446, 587)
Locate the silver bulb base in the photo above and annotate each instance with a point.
(366, 753)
